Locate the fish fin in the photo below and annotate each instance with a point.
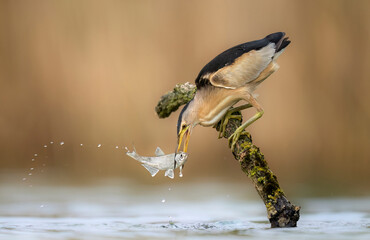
(133, 146)
(133, 154)
(153, 171)
(159, 152)
(169, 173)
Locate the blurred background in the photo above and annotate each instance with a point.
(91, 72)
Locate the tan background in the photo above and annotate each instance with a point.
(92, 72)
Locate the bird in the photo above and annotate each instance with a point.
(229, 78)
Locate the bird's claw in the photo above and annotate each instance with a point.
(225, 120)
(235, 137)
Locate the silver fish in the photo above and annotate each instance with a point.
(161, 161)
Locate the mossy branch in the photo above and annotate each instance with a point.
(171, 101)
(280, 211)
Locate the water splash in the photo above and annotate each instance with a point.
(61, 143)
(170, 220)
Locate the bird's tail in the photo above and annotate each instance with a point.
(279, 39)
(283, 43)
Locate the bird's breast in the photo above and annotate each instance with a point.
(215, 104)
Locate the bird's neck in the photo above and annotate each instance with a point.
(193, 112)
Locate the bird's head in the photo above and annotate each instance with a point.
(183, 135)
(185, 124)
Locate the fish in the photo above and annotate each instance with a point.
(161, 161)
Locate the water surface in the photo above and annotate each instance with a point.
(126, 210)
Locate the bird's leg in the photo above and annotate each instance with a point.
(239, 131)
(229, 115)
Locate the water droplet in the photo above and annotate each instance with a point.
(30, 185)
(126, 148)
(180, 174)
(43, 164)
(169, 189)
(81, 144)
(35, 154)
(31, 168)
(32, 159)
(117, 147)
(45, 146)
(24, 179)
(163, 200)
(61, 143)
(30, 174)
(51, 142)
(42, 170)
(41, 206)
(99, 145)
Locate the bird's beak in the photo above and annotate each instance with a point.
(184, 133)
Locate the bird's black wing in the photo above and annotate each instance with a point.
(233, 55)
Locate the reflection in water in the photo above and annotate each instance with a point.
(120, 209)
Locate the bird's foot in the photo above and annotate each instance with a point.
(225, 120)
(235, 137)
(239, 131)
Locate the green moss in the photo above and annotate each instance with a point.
(269, 206)
(255, 153)
(266, 181)
(261, 179)
(258, 171)
(275, 195)
(245, 146)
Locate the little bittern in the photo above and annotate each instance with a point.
(230, 77)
